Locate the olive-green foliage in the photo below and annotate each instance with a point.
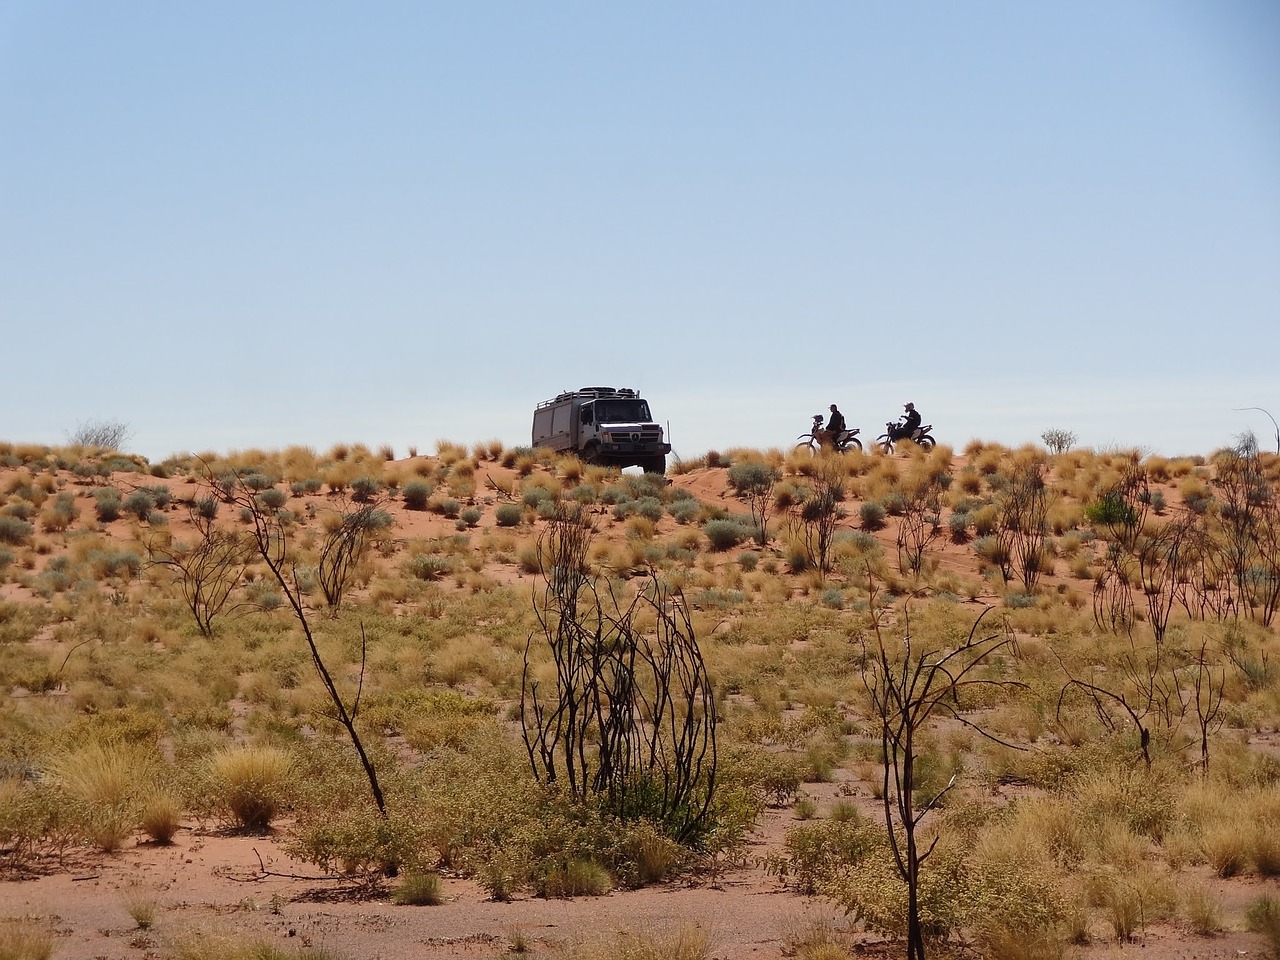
(107, 504)
(727, 533)
(416, 494)
(14, 531)
(204, 945)
(508, 514)
(1263, 916)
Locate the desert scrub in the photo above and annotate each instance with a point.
(15, 531)
(107, 504)
(727, 533)
(102, 786)
(686, 943)
(508, 514)
(250, 783)
(25, 939)
(419, 890)
(871, 515)
(416, 495)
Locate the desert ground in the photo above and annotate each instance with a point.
(1108, 790)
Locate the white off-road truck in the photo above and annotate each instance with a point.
(605, 425)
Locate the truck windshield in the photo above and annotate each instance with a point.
(622, 411)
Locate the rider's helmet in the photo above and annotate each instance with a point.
(833, 408)
(908, 406)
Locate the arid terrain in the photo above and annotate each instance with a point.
(1108, 789)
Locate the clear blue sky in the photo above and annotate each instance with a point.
(256, 224)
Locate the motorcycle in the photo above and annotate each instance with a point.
(920, 435)
(814, 440)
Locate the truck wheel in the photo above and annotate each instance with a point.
(591, 453)
(656, 464)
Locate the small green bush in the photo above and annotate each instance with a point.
(15, 532)
(871, 515)
(726, 533)
(273, 498)
(251, 783)
(685, 510)
(470, 517)
(508, 514)
(107, 504)
(416, 495)
(365, 489)
(429, 566)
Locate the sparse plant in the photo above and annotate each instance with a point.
(420, 890)
(99, 433)
(1059, 441)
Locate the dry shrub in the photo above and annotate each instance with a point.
(1227, 845)
(685, 943)
(25, 939)
(103, 784)
(250, 783)
(161, 816)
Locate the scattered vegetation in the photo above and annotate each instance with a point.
(1028, 794)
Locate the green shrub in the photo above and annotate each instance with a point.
(470, 517)
(107, 504)
(364, 489)
(650, 508)
(273, 498)
(871, 515)
(1263, 916)
(573, 878)
(684, 510)
(416, 495)
(429, 566)
(508, 514)
(726, 533)
(958, 526)
(14, 531)
(450, 507)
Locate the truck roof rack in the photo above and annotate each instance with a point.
(620, 393)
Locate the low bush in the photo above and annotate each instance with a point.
(107, 504)
(416, 495)
(871, 515)
(14, 531)
(726, 533)
(250, 783)
(419, 890)
(508, 514)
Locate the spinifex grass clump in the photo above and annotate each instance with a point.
(251, 783)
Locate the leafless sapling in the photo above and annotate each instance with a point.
(207, 570)
(269, 541)
(909, 684)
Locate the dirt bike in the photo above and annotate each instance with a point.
(920, 435)
(814, 440)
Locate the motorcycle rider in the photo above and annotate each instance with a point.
(835, 426)
(910, 422)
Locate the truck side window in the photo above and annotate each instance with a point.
(586, 414)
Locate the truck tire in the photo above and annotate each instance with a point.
(591, 453)
(656, 464)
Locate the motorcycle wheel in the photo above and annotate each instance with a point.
(926, 441)
(885, 444)
(807, 446)
(853, 443)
